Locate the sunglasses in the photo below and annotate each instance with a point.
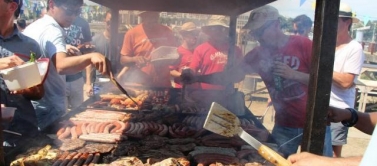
(70, 12)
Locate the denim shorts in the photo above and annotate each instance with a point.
(339, 134)
(289, 139)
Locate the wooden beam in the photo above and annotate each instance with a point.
(324, 42)
(221, 7)
(114, 53)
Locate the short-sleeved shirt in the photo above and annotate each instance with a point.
(185, 56)
(348, 59)
(76, 34)
(50, 36)
(141, 41)
(208, 59)
(25, 120)
(289, 103)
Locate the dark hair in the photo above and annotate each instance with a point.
(344, 19)
(68, 2)
(302, 22)
(19, 3)
(21, 23)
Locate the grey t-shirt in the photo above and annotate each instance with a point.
(50, 36)
(77, 34)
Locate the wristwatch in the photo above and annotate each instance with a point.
(354, 118)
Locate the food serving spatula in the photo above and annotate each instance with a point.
(221, 121)
(116, 83)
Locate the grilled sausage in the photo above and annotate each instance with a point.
(66, 133)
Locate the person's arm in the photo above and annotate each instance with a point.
(366, 121)
(175, 73)
(343, 80)
(305, 158)
(71, 65)
(352, 67)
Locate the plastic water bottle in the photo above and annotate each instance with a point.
(278, 81)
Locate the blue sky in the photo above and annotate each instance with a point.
(292, 8)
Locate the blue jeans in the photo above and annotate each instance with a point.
(288, 140)
(46, 113)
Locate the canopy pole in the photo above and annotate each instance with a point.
(324, 43)
(114, 53)
(232, 40)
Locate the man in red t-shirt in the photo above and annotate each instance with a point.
(138, 44)
(283, 62)
(189, 33)
(212, 56)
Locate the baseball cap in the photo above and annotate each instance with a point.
(217, 20)
(258, 17)
(188, 26)
(346, 11)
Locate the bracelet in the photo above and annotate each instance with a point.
(354, 118)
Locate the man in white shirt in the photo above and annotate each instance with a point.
(49, 33)
(349, 58)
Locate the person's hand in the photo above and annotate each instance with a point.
(139, 60)
(33, 93)
(10, 61)
(188, 76)
(283, 70)
(101, 63)
(338, 114)
(72, 50)
(308, 159)
(88, 89)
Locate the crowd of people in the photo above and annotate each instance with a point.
(283, 62)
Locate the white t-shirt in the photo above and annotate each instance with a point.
(50, 36)
(348, 59)
(369, 158)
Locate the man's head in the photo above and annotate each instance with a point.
(189, 33)
(21, 24)
(11, 7)
(217, 28)
(346, 17)
(302, 25)
(263, 23)
(64, 11)
(108, 20)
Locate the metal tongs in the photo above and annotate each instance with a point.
(115, 82)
